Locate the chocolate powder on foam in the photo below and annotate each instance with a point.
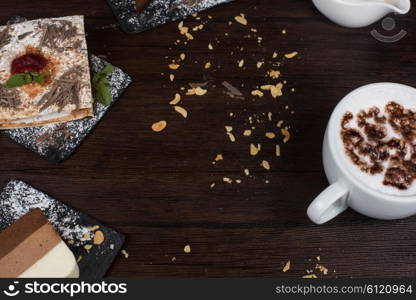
(368, 148)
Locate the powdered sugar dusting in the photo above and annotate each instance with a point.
(56, 142)
(19, 198)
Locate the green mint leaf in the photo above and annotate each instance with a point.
(16, 80)
(101, 85)
(37, 77)
(103, 92)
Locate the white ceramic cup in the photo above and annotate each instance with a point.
(346, 188)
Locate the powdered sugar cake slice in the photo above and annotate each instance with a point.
(140, 15)
(55, 48)
(56, 142)
(75, 228)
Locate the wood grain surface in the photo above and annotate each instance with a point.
(155, 187)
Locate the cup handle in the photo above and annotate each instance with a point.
(329, 204)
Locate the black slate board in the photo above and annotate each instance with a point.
(56, 142)
(157, 12)
(18, 198)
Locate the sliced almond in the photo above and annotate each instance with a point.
(181, 111)
(257, 93)
(278, 150)
(159, 126)
(265, 164)
(200, 91)
(270, 135)
(254, 150)
(173, 66)
(98, 237)
(241, 19)
(175, 100)
(287, 266)
(247, 132)
(291, 55)
(286, 135)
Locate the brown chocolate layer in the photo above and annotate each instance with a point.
(25, 242)
(20, 230)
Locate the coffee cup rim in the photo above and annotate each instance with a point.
(332, 134)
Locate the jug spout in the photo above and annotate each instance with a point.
(399, 6)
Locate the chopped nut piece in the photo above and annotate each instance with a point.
(286, 135)
(79, 258)
(187, 249)
(291, 55)
(228, 128)
(212, 185)
(241, 63)
(254, 150)
(270, 135)
(274, 54)
(159, 126)
(98, 237)
(182, 56)
(238, 181)
(257, 93)
(265, 164)
(87, 247)
(174, 66)
(219, 157)
(280, 123)
(175, 100)
(275, 90)
(284, 31)
(269, 115)
(241, 19)
(210, 46)
(247, 172)
(247, 132)
(207, 65)
(181, 111)
(259, 64)
(112, 246)
(171, 77)
(287, 266)
(173, 259)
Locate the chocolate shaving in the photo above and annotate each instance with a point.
(9, 98)
(64, 90)
(60, 36)
(232, 91)
(373, 153)
(5, 37)
(24, 35)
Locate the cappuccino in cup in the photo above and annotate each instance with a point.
(369, 155)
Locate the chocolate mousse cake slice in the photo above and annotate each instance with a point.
(32, 248)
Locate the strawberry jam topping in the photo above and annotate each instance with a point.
(28, 63)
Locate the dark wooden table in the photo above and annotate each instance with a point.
(155, 187)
